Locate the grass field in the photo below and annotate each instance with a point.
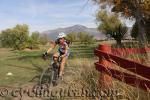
(27, 65)
(23, 65)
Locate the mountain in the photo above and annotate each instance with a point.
(52, 34)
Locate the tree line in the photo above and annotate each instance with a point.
(19, 38)
(81, 37)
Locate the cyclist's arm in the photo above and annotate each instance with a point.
(53, 45)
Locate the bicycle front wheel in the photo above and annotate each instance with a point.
(47, 76)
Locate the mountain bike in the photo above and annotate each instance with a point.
(50, 75)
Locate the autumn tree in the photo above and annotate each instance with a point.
(111, 25)
(139, 9)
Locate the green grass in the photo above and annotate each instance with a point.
(82, 51)
(27, 64)
(22, 64)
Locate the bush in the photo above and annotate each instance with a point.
(43, 39)
(16, 37)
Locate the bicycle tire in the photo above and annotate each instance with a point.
(47, 76)
(56, 73)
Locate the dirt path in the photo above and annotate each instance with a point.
(59, 92)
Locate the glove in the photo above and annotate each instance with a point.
(44, 56)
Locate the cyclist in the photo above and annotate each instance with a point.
(63, 51)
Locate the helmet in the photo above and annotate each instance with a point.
(61, 35)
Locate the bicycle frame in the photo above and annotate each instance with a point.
(52, 71)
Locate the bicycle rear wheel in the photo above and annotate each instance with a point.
(47, 76)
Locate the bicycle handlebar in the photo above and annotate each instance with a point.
(44, 56)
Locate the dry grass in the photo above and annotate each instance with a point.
(81, 71)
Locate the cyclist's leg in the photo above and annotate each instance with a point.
(63, 62)
(62, 65)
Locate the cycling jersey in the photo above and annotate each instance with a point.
(61, 49)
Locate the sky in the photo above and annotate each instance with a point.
(43, 15)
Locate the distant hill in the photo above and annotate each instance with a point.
(52, 34)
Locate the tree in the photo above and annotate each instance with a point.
(34, 40)
(16, 37)
(111, 25)
(118, 33)
(35, 36)
(20, 36)
(72, 37)
(6, 38)
(139, 9)
(43, 39)
(147, 27)
(85, 38)
(134, 32)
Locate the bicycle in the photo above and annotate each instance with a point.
(50, 75)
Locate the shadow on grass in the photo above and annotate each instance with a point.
(38, 69)
(24, 57)
(35, 67)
